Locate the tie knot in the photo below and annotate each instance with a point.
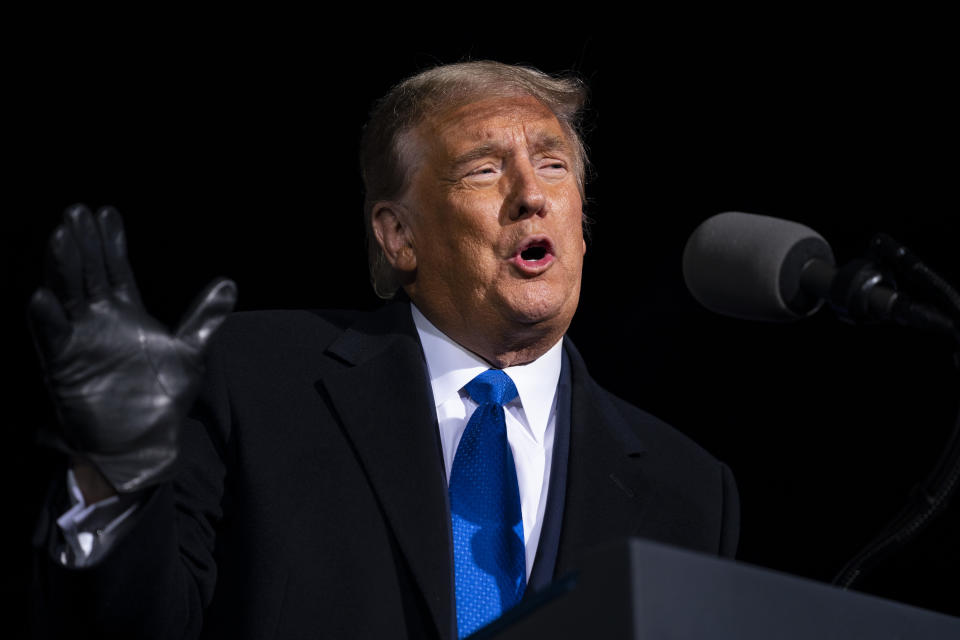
(492, 386)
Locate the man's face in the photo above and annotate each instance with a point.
(495, 219)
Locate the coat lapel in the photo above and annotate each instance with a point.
(607, 489)
(384, 402)
(386, 407)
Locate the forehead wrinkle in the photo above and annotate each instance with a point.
(538, 142)
(493, 127)
(474, 116)
(545, 142)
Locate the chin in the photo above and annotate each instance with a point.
(543, 305)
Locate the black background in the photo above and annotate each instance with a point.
(230, 148)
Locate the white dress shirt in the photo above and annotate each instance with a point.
(531, 418)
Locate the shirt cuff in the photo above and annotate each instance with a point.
(89, 531)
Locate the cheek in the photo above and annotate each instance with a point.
(454, 252)
(573, 229)
(470, 230)
(568, 203)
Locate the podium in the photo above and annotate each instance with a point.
(647, 591)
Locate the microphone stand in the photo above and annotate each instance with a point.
(931, 497)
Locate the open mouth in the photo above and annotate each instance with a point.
(534, 255)
(536, 252)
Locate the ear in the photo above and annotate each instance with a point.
(389, 221)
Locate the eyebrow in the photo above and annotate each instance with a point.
(540, 144)
(476, 153)
(550, 142)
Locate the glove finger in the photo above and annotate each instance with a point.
(48, 323)
(117, 266)
(84, 229)
(63, 270)
(207, 312)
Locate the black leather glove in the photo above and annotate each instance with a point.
(120, 382)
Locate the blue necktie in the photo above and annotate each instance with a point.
(488, 551)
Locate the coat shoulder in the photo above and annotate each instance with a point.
(285, 325)
(638, 429)
(658, 434)
(277, 344)
(677, 492)
(284, 329)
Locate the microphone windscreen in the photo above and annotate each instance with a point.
(749, 266)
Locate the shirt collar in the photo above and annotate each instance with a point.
(451, 367)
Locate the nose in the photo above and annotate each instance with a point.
(527, 197)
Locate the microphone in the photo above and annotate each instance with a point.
(762, 268)
(750, 266)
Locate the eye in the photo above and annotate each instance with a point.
(485, 169)
(552, 168)
(487, 173)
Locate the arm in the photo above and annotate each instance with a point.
(122, 385)
(159, 575)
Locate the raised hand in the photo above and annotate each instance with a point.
(120, 381)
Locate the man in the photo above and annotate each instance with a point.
(413, 472)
